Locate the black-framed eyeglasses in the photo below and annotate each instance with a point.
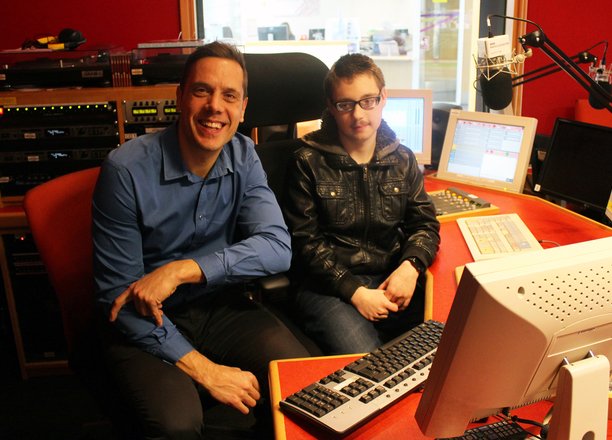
(365, 103)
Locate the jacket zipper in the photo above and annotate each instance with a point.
(366, 208)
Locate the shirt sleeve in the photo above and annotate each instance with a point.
(265, 247)
(118, 262)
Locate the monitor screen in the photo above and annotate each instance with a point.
(513, 324)
(577, 166)
(316, 34)
(273, 33)
(491, 150)
(409, 113)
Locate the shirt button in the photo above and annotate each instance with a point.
(333, 193)
(200, 217)
(396, 189)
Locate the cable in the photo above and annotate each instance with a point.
(505, 416)
(550, 242)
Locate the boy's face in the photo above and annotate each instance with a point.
(357, 128)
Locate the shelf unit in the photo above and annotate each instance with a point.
(13, 221)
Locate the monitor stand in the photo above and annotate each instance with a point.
(581, 406)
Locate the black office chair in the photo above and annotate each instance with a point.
(440, 115)
(284, 89)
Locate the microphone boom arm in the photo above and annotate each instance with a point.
(539, 40)
(549, 69)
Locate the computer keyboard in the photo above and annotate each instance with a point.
(452, 203)
(347, 398)
(502, 430)
(495, 236)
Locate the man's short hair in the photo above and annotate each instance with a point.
(216, 49)
(349, 66)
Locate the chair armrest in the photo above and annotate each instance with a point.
(273, 284)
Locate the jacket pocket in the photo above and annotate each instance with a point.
(393, 196)
(336, 203)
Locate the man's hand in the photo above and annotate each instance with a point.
(231, 386)
(372, 303)
(149, 292)
(399, 286)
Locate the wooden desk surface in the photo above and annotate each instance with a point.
(547, 221)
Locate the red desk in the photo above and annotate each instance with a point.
(396, 423)
(547, 222)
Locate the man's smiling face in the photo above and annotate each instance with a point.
(212, 104)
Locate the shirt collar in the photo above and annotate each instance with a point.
(174, 167)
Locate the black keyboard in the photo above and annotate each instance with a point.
(347, 398)
(503, 430)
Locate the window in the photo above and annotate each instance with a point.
(417, 43)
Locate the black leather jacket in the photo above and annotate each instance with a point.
(348, 219)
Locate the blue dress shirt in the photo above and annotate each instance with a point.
(149, 210)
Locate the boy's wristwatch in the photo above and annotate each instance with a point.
(416, 263)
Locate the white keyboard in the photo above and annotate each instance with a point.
(495, 236)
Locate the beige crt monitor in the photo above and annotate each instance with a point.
(525, 328)
(409, 113)
(490, 150)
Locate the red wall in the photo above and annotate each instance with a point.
(107, 23)
(573, 26)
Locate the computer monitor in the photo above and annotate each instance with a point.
(609, 207)
(513, 325)
(316, 34)
(273, 33)
(577, 166)
(491, 150)
(409, 114)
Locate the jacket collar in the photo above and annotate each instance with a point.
(326, 139)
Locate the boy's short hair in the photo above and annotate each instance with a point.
(348, 66)
(216, 49)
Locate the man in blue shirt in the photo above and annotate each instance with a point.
(181, 218)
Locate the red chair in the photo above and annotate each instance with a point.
(59, 216)
(60, 219)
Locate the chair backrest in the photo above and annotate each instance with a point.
(275, 157)
(59, 216)
(284, 88)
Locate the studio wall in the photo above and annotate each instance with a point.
(573, 26)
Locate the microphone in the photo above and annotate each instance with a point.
(602, 77)
(496, 66)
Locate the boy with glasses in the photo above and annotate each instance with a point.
(363, 228)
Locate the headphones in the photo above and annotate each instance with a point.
(67, 39)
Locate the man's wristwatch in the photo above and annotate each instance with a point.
(417, 264)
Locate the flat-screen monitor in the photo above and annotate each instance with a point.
(266, 33)
(316, 34)
(491, 150)
(514, 324)
(409, 114)
(578, 164)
